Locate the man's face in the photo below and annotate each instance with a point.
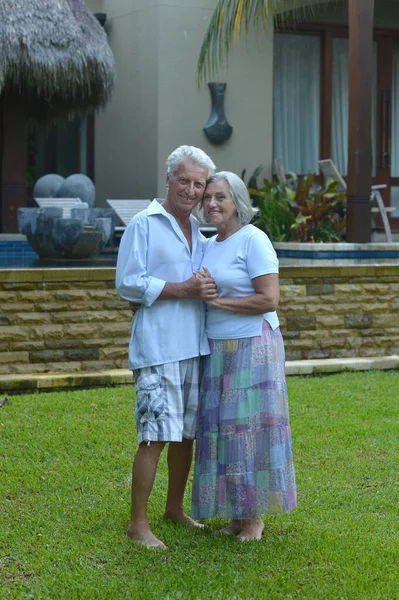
(186, 187)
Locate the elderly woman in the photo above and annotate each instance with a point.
(243, 461)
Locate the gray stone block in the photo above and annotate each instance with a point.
(104, 226)
(88, 245)
(80, 236)
(66, 233)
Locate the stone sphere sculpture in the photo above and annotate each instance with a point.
(47, 186)
(53, 232)
(78, 186)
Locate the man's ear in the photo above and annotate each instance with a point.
(167, 181)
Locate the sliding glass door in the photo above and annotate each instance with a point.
(390, 133)
(297, 102)
(340, 105)
(311, 104)
(387, 169)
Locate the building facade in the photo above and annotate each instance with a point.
(287, 96)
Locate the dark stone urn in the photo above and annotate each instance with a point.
(217, 128)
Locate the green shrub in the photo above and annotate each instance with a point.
(299, 209)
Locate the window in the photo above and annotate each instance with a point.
(297, 101)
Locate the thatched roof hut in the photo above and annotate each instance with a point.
(54, 56)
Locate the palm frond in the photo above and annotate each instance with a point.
(228, 20)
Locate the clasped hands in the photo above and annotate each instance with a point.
(206, 286)
(201, 286)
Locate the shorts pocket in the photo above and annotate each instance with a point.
(150, 404)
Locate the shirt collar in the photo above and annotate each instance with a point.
(156, 208)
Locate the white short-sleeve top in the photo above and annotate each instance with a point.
(233, 263)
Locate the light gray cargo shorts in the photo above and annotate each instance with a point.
(167, 401)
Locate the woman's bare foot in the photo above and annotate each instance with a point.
(232, 528)
(144, 537)
(182, 518)
(252, 529)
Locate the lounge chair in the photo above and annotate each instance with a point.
(330, 172)
(65, 203)
(127, 209)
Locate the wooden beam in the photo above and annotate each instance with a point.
(13, 191)
(361, 14)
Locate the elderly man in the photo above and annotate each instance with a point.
(159, 251)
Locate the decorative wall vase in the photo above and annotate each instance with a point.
(217, 128)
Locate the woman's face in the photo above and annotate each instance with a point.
(218, 204)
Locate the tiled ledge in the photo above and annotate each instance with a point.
(302, 269)
(338, 251)
(12, 237)
(57, 274)
(336, 247)
(52, 381)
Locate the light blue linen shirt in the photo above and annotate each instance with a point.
(153, 251)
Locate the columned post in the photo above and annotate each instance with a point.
(13, 193)
(361, 14)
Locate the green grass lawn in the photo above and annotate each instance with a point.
(64, 503)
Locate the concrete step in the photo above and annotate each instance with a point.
(17, 384)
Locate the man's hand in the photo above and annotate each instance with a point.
(204, 285)
(201, 286)
(205, 276)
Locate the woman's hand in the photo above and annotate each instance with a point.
(210, 295)
(215, 303)
(204, 274)
(265, 299)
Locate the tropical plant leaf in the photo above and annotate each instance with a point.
(299, 209)
(231, 17)
(253, 180)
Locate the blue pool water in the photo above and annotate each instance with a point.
(19, 255)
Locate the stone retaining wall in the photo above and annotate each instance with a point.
(71, 320)
(62, 320)
(340, 312)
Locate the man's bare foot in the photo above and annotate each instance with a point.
(182, 518)
(145, 538)
(252, 529)
(232, 528)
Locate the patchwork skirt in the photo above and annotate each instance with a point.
(243, 458)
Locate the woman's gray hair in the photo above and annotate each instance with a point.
(192, 153)
(240, 194)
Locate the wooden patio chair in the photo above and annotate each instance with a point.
(280, 171)
(65, 203)
(330, 172)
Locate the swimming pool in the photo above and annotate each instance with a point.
(16, 253)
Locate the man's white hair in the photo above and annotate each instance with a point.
(192, 153)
